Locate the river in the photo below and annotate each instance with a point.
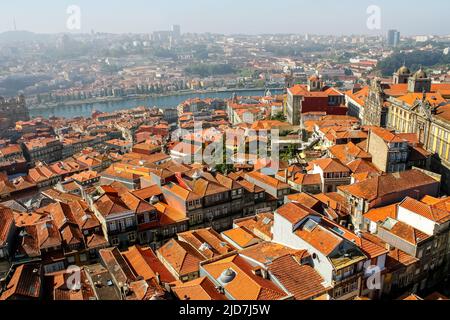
(85, 110)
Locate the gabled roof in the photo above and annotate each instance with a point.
(148, 193)
(260, 224)
(302, 90)
(275, 183)
(241, 236)
(60, 212)
(109, 204)
(294, 212)
(380, 186)
(204, 187)
(169, 215)
(307, 179)
(62, 292)
(200, 289)
(348, 152)
(245, 285)
(404, 231)
(320, 238)
(302, 281)
(29, 242)
(438, 213)
(144, 263)
(381, 214)
(71, 235)
(48, 235)
(181, 256)
(359, 166)
(96, 241)
(266, 253)
(117, 265)
(397, 259)
(433, 98)
(207, 242)
(412, 297)
(6, 223)
(360, 96)
(305, 199)
(330, 165)
(227, 182)
(183, 193)
(386, 135)
(436, 296)
(25, 283)
(369, 244)
(135, 203)
(250, 187)
(83, 216)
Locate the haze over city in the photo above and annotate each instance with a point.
(227, 17)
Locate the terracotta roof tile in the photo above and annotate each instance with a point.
(245, 285)
(380, 186)
(437, 213)
(181, 256)
(295, 212)
(241, 236)
(267, 252)
(25, 283)
(380, 214)
(302, 281)
(6, 224)
(207, 242)
(198, 290)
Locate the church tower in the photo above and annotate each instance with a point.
(419, 82)
(314, 83)
(402, 75)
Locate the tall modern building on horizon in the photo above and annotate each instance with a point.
(176, 31)
(393, 38)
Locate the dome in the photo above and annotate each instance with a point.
(420, 74)
(403, 71)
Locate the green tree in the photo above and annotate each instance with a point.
(288, 154)
(279, 116)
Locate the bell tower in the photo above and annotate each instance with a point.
(419, 82)
(402, 75)
(314, 83)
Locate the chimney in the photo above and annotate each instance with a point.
(286, 178)
(220, 290)
(260, 272)
(158, 278)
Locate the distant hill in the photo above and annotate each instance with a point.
(20, 36)
(414, 60)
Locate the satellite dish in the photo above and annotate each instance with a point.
(227, 276)
(196, 175)
(154, 200)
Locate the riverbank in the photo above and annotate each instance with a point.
(85, 108)
(142, 97)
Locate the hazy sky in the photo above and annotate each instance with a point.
(228, 16)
